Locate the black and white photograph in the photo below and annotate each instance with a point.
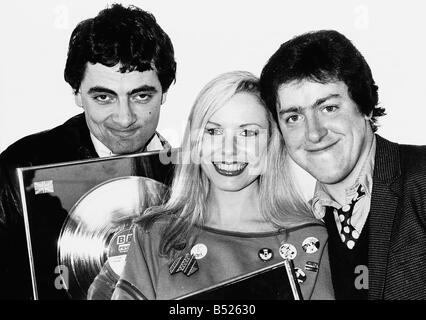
(212, 150)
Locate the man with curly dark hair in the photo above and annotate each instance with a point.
(120, 66)
(370, 192)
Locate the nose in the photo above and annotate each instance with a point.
(229, 145)
(123, 114)
(314, 129)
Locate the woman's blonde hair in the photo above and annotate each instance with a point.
(280, 202)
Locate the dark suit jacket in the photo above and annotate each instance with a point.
(397, 223)
(67, 142)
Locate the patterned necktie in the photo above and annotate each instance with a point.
(348, 234)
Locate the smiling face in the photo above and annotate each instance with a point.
(122, 109)
(323, 129)
(234, 143)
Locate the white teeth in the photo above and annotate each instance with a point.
(230, 167)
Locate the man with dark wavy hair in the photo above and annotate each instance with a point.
(370, 192)
(120, 66)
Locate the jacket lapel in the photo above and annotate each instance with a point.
(384, 205)
(81, 138)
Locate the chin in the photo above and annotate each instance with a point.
(230, 187)
(124, 150)
(233, 189)
(328, 174)
(330, 178)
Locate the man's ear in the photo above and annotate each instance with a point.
(78, 100)
(163, 97)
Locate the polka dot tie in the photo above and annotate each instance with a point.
(349, 234)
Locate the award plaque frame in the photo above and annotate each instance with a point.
(274, 282)
(75, 204)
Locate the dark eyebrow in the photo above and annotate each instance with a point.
(144, 88)
(320, 101)
(290, 109)
(98, 89)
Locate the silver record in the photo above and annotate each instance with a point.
(84, 244)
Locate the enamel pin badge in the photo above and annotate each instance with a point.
(265, 254)
(310, 245)
(199, 251)
(186, 264)
(288, 251)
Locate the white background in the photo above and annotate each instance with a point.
(211, 37)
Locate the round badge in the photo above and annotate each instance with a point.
(300, 275)
(199, 251)
(310, 245)
(265, 254)
(288, 251)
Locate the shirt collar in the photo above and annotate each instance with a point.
(322, 199)
(157, 143)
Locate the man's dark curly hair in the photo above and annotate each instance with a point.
(322, 56)
(128, 36)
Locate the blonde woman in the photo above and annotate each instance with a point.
(232, 207)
